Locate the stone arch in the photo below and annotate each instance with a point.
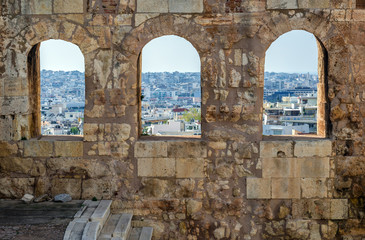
(327, 35)
(130, 48)
(34, 35)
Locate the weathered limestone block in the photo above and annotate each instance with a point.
(142, 17)
(320, 148)
(156, 188)
(314, 187)
(314, 4)
(313, 167)
(69, 148)
(68, 6)
(311, 208)
(36, 6)
(186, 6)
(285, 188)
(152, 6)
(121, 131)
(279, 167)
(234, 79)
(329, 230)
(35, 148)
(15, 87)
(6, 126)
(16, 165)
(90, 132)
(339, 209)
(16, 187)
(193, 206)
(189, 167)
(298, 229)
(273, 149)
(99, 188)
(282, 4)
(14, 105)
(350, 166)
(66, 185)
(217, 145)
(156, 167)
(8, 149)
(189, 149)
(258, 188)
(148, 149)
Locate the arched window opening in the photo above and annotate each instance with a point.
(294, 92)
(170, 88)
(61, 70)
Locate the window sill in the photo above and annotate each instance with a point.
(170, 138)
(292, 137)
(53, 138)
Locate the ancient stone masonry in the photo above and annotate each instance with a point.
(230, 184)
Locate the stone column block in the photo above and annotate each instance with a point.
(258, 188)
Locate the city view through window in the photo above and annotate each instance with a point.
(171, 90)
(290, 92)
(62, 88)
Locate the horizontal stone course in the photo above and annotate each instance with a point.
(35, 148)
(186, 6)
(272, 149)
(68, 149)
(258, 188)
(156, 167)
(36, 6)
(150, 149)
(189, 167)
(152, 6)
(68, 6)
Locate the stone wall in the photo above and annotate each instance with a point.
(230, 184)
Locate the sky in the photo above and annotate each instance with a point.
(61, 55)
(293, 52)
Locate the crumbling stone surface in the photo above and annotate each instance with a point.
(231, 183)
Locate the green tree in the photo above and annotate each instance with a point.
(192, 115)
(75, 131)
